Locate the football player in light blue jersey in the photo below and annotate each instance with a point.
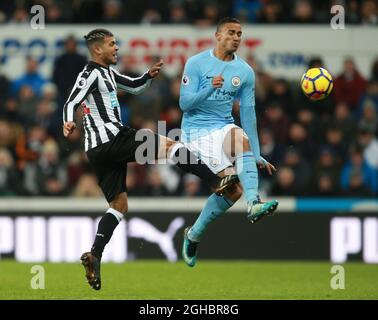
(212, 80)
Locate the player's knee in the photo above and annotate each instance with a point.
(234, 192)
(235, 196)
(120, 207)
(241, 142)
(166, 146)
(246, 146)
(120, 204)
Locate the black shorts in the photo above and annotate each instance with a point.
(109, 160)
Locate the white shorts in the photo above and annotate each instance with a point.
(209, 149)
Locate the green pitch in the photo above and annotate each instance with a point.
(208, 280)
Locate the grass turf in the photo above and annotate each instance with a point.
(231, 280)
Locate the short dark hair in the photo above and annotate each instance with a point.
(96, 35)
(225, 20)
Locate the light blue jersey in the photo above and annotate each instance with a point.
(206, 107)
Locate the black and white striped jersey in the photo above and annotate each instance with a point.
(96, 88)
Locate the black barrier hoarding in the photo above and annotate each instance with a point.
(289, 236)
(309, 236)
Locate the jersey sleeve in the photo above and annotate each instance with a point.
(132, 85)
(191, 94)
(86, 82)
(248, 113)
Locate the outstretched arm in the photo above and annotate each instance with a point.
(249, 122)
(139, 84)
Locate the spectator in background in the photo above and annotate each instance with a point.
(29, 146)
(27, 105)
(298, 138)
(172, 113)
(272, 152)
(343, 120)
(374, 71)
(352, 12)
(48, 175)
(349, 85)
(264, 81)
(369, 143)
(77, 166)
(6, 10)
(155, 186)
(128, 63)
(113, 12)
(369, 12)
(325, 186)
(281, 94)
(87, 187)
(9, 180)
(54, 13)
(149, 105)
(325, 169)
(46, 107)
(87, 11)
(131, 183)
(177, 14)
(294, 160)
(369, 118)
(136, 179)
(315, 62)
(303, 12)
(9, 111)
(31, 78)
(151, 16)
(246, 10)
(210, 14)
(357, 164)
(285, 183)
(309, 120)
(19, 16)
(271, 12)
(3, 17)
(277, 120)
(191, 186)
(356, 186)
(336, 142)
(4, 92)
(370, 96)
(66, 68)
(269, 148)
(9, 133)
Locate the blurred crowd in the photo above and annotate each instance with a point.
(327, 148)
(197, 12)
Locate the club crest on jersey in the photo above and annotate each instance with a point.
(82, 83)
(235, 81)
(185, 80)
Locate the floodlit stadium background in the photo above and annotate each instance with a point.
(326, 152)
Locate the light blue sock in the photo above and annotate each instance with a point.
(215, 207)
(248, 176)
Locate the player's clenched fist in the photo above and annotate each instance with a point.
(218, 81)
(68, 128)
(155, 69)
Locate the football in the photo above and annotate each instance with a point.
(316, 83)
